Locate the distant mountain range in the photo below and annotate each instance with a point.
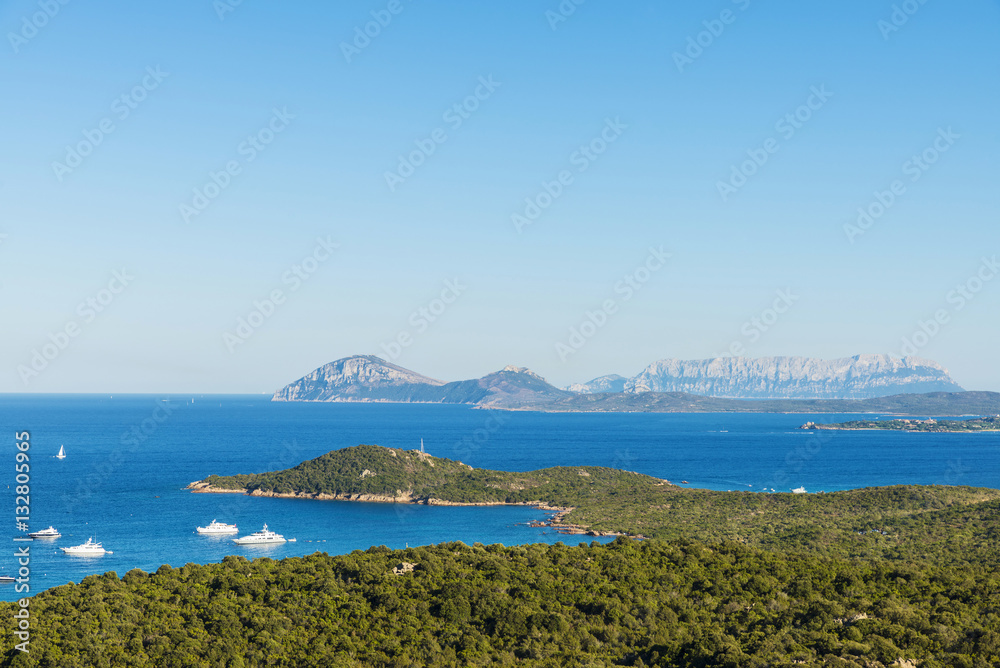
(372, 379)
(864, 383)
(858, 377)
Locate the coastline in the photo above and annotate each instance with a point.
(556, 521)
(909, 431)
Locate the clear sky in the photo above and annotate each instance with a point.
(504, 166)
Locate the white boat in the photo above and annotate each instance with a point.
(218, 528)
(87, 549)
(799, 490)
(6, 578)
(262, 537)
(51, 532)
(62, 453)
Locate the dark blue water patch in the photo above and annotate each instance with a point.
(130, 457)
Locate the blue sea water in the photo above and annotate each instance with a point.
(129, 458)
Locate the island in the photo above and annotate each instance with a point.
(375, 474)
(930, 425)
(901, 520)
(893, 577)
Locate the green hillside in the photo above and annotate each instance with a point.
(900, 522)
(650, 603)
(374, 470)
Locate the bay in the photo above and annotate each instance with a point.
(129, 458)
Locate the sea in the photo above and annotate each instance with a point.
(129, 459)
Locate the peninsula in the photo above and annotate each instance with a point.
(902, 521)
(972, 425)
(890, 577)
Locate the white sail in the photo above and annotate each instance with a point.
(62, 453)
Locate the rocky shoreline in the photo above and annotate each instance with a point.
(556, 521)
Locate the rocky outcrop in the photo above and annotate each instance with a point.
(858, 377)
(361, 378)
(367, 378)
(371, 379)
(610, 383)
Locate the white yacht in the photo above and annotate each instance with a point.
(51, 532)
(799, 490)
(216, 528)
(62, 453)
(87, 549)
(263, 537)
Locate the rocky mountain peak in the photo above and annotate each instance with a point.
(857, 377)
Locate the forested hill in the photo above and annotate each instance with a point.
(937, 523)
(630, 603)
(372, 472)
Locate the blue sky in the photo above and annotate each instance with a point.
(663, 130)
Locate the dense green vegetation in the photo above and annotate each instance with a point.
(647, 603)
(971, 425)
(871, 578)
(946, 524)
(378, 471)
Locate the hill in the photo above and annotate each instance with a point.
(900, 522)
(370, 379)
(366, 378)
(681, 604)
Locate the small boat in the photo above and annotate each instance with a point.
(51, 532)
(218, 528)
(62, 453)
(263, 537)
(6, 578)
(799, 490)
(87, 549)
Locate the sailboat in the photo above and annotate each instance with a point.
(62, 453)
